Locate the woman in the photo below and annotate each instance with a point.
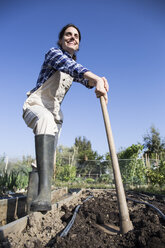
(41, 110)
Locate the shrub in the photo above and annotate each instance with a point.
(156, 175)
(13, 180)
(66, 173)
(105, 178)
(89, 180)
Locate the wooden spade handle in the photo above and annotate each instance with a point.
(125, 223)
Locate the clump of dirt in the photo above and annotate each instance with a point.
(41, 227)
(99, 210)
(39, 230)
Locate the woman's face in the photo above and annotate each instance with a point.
(70, 40)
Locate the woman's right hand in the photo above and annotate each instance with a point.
(102, 88)
(100, 83)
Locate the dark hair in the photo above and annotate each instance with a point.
(61, 34)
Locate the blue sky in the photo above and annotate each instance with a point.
(123, 40)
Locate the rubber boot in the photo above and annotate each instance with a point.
(32, 191)
(44, 145)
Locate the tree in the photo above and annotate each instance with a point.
(131, 152)
(2, 162)
(87, 159)
(153, 144)
(84, 149)
(65, 155)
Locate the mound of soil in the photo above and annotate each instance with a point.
(149, 230)
(99, 210)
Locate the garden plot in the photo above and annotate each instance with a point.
(93, 218)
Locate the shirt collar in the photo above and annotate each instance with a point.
(66, 53)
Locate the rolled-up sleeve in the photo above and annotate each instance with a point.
(62, 61)
(83, 81)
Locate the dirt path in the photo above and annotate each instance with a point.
(101, 209)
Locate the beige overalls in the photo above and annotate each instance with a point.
(41, 110)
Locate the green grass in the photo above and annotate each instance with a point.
(84, 185)
(151, 189)
(95, 185)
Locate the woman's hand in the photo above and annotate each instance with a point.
(100, 83)
(106, 85)
(102, 88)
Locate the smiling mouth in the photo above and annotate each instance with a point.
(71, 43)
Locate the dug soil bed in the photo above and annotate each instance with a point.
(98, 210)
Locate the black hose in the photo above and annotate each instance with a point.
(70, 224)
(148, 204)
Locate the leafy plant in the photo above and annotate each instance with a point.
(132, 168)
(89, 180)
(66, 172)
(13, 180)
(105, 178)
(156, 175)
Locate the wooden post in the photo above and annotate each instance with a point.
(125, 223)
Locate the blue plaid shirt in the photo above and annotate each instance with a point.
(57, 59)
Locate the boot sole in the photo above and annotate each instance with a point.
(40, 208)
